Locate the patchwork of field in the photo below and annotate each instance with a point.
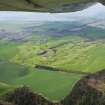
(53, 85)
(49, 64)
(18, 63)
(67, 53)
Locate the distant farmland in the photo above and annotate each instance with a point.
(48, 64)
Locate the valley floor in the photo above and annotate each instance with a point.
(73, 56)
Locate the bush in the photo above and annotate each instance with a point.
(5, 103)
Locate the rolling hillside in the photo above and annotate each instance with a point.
(50, 57)
(40, 81)
(67, 52)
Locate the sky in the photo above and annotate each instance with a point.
(93, 11)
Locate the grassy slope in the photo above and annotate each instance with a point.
(77, 54)
(4, 88)
(15, 4)
(7, 50)
(44, 82)
(54, 85)
(87, 57)
(10, 71)
(44, 5)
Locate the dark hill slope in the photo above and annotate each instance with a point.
(5, 103)
(90, 90)
(46, 5)
(24, 96)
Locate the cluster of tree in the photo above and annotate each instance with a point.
(5, 103)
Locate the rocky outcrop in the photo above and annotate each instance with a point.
(46, 5)
(90, 90)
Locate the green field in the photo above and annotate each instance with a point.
(71, 53)
(53, 85)
(68, 53)
(41, 81)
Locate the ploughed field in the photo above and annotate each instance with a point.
(50, 65)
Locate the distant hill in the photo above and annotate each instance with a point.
(92, 30)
